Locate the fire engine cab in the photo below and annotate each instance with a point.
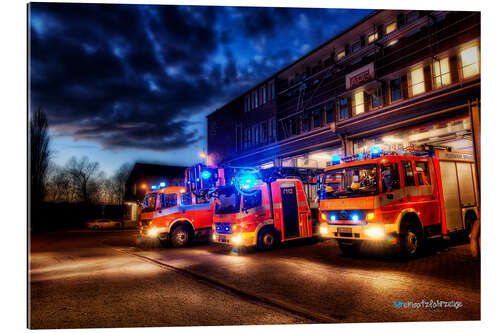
(401, 199)
(179, 214)
(265, 207)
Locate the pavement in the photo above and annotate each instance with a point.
(89, 279)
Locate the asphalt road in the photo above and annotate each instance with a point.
(107, 279)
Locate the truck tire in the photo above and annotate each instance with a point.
(410, 241)
(180, 236)
(349, 247)
(266, 239)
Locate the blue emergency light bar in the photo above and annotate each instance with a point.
(153, 187)
(335, 159)
(376, 152)
(206, 174)
(162, 184)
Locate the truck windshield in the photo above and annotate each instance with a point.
(353, 181)
(227, 200)
(149, 202)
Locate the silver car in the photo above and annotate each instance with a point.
(104, 224)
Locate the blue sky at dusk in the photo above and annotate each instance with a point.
(126, 83)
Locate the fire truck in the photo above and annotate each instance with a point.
(178, 214)
(265, 207)
(398, 199)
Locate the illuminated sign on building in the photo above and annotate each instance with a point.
(359, 76)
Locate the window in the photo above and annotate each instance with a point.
(372, 37)
(356, 47)
(413, 16)
(272, 90)
(408, 173)
(417, 81)
(248, 103)
(390, 28)
(305, 122)
(340, 55)
(168, 200)
(263, 128)
(395, 87)
(264, 95)
(252, 201)
(329, 112)
(442, 76)
(423, 173)
(202, 200)
(249, 137)
(358, 103)
(256, 135)
(255, 98)
(343, 108)
(470, 62)
(376, 99)
(273, 128)
(317, 118)
(186, 199)
(390, 177)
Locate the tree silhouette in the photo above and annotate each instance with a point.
(38, 162)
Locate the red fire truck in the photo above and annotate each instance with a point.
(401, 199)
(178, 214)
(264, 208)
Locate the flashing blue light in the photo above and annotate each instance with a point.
(162, 184)
(153, 187)
(375, 151)
(335, 159)
(206, 174)
(355, 218)
(360, 155)
(197, 179)
(189, 182)
(332, 218)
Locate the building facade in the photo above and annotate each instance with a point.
(395, 79)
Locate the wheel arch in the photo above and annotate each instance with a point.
(411, 216)
(181, 221)
(264, 225)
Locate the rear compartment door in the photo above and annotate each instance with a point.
(451, 196)
(290, 210)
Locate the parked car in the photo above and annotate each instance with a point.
(104, 224)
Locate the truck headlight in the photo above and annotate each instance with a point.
(153, 232)
(375, 232)
(237, 239)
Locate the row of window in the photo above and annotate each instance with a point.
(167, 200)
(375, 35)
(260, 96)
(437, 72)
(262, 133)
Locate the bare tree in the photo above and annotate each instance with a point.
(59, 186)
(119, 180)
(84, 174)
(39, 154)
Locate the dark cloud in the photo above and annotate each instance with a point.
(139, 76)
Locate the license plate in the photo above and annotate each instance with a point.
(345, 230)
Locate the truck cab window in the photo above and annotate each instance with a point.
(408, 173)
(423, 173)
(168, 200)
(186, 199)
(390, 177)
(252, 201)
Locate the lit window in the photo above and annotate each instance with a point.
(256, 99)
(358, 103)
(248, 102)
(373, 37)
(264, 95)
(470, 62)
(442, 76)
(340, 55)
(417, 81)
(390, 27)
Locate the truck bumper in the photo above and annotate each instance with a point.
(237, 239)
(366, 232)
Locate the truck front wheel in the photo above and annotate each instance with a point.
(409, 241)
(266, 240)
(349, 247)
(180, 236)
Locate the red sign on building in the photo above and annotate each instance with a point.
(359, 76)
